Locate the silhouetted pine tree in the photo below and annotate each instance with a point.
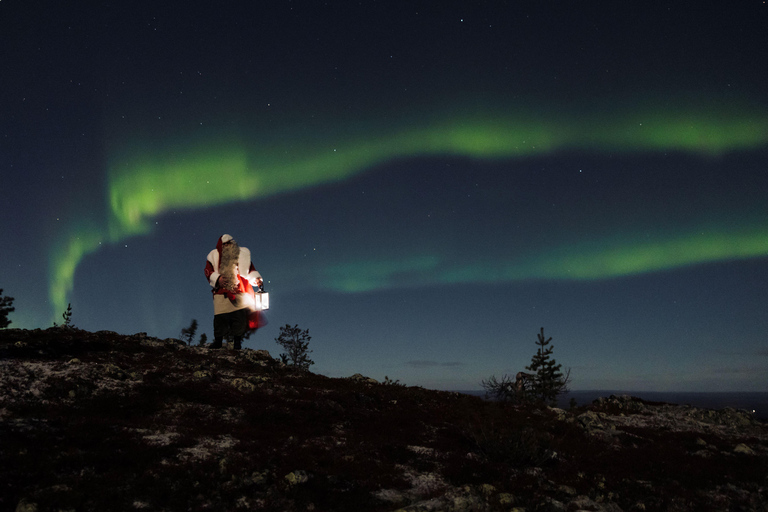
(296, 343)
(6, 306)
(549, 381)
(67, 316)
(188, 333)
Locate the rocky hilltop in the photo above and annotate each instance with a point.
(105, 422)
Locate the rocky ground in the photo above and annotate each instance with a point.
(105, 422)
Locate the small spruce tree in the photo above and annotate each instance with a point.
(295, 342)
(6, 306)
(203, 339)
(549, 380)
(67, 316)
(545, 385)
(188, 333)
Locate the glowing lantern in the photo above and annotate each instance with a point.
(261, 300)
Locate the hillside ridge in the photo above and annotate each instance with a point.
(104, 421)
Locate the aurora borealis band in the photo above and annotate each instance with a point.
(144, 186)
(369, 153)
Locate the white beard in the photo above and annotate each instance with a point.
(228, 267)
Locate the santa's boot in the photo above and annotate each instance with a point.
(238, 343)
(216, 343)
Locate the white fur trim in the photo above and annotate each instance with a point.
(213, 259)
(244, 262)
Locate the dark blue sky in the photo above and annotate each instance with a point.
(422, 186)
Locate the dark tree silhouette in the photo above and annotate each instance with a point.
(6, 306)
(544, 385)
(549, 381)
(67, 316)
(295, 342)
(188, 333)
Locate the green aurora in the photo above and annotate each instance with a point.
(202, 174)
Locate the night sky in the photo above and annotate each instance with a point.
(423, 185)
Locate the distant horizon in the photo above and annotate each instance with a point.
(754, 401)
(625, 391)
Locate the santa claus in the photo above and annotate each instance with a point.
(232, 276)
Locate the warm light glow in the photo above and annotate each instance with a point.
(261, 301)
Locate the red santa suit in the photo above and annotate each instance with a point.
(240, 278)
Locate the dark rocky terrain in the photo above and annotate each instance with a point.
(105, 422)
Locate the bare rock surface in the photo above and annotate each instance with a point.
(102, 421)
